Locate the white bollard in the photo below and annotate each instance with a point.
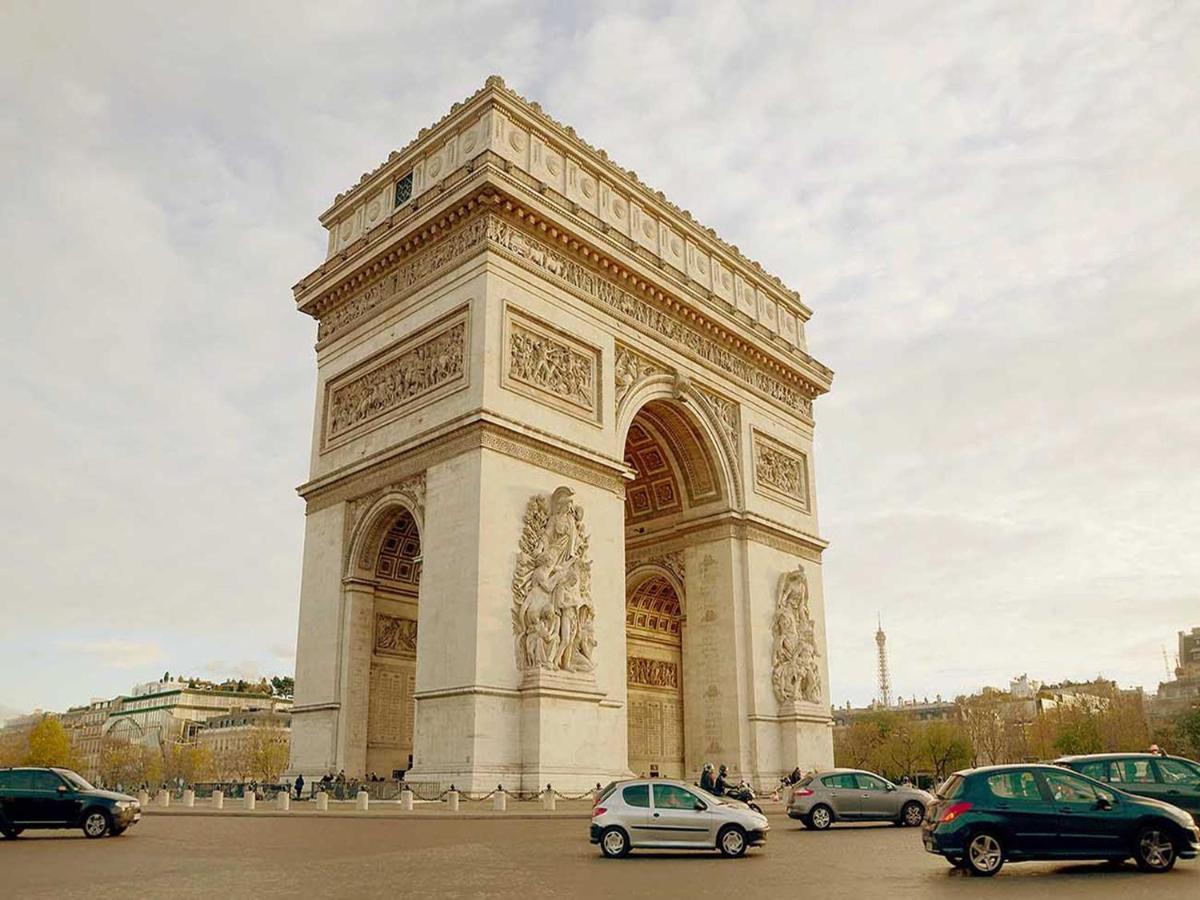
(250, 799)
(218, 799)
(189, 797)
(322, 801)
(548, 798)
(143, 798)
(499, 800)
(452, 801)
(406, 800)
(362, 801)
(164, 798)
(283, 801)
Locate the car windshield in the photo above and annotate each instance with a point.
(707, 797)
(76, 781)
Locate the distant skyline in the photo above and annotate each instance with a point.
(992, 208)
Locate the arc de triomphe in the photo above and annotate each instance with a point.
(561, 523)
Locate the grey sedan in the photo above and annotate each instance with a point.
(671, 814)
(851, 795)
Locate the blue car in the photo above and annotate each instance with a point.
(981, 818)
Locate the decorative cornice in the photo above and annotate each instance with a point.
(354, 482)
(495, 94)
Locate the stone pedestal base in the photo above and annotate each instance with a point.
(218, 799)
(189, 797)
(322, 802)
(561, 725)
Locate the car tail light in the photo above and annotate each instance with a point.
(598, 811)
(802, 792)
(953, 811)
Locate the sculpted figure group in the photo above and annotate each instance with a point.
(552, 604)
(795, 671)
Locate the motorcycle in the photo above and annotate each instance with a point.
(744, 793)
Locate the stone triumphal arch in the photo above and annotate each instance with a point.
(561, 523)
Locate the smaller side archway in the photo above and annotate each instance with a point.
(383, 581)
(654, 623)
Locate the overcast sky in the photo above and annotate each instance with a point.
(994, 210)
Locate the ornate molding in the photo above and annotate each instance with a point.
(426, 366)
(779, 472)
(653, 673)
(550, 366)
(552, 612)
(409, 490)
(673, 327)
(446, 251)
(631, 369)
(672, 561)
(395, 636)
(795, 672)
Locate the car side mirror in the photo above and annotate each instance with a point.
(62, 789)
(891, 787)
(1103, 803)
(700, 806)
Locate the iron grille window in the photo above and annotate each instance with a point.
(404, 188)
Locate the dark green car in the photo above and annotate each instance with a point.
(1172, 779)
(981, 818)
(36, 797)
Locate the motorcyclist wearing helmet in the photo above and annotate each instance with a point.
(719, 787)
(707, 782)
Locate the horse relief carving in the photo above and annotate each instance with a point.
(552, 612)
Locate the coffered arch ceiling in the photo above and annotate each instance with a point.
(674, 465)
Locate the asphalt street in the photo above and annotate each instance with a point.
(265, 856)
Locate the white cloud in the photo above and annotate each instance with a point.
(993, 209)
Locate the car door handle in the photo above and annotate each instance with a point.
(656, 815)
(1065, 809)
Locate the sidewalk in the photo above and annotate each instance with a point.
(390, 809)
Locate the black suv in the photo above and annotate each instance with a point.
(58, 798)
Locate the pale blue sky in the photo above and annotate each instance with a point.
(993, 208)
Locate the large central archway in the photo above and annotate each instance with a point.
(678, 477)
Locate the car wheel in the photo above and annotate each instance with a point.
(912, 814)
(96, 823)
(1154, 850)
(11, 833)
(820, 818)
(731, 841)
(985, 854)
(614, 843)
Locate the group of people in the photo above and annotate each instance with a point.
(714, 784)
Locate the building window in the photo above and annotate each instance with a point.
(404, 189)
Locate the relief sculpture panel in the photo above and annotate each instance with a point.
(795, 672)
(659, 673)
(429, 365)
(552, 613)
(395, 636)
(551, 367)
(780, 473)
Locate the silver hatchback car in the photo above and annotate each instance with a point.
(851, 795)
(667, 814)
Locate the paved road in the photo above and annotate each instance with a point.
(233, 857)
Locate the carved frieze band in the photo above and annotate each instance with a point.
(669, 328)
(780, 472)
(428, 365)
(655, 673)
(403, 279)
(551, 367)
(395, 636)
